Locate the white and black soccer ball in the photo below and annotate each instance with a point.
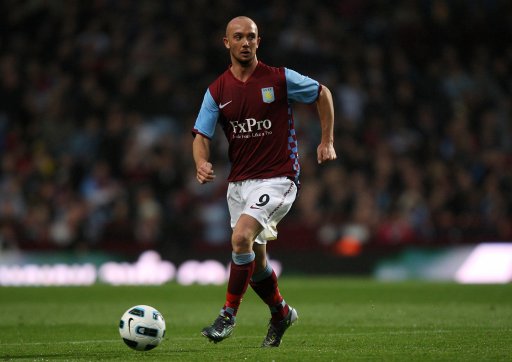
(142, 327)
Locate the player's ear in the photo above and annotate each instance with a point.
(226, 42)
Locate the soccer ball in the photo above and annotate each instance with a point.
(142, 327)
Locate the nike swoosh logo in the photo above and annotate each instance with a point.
(129, 322)
(224, 105)
(254, 207)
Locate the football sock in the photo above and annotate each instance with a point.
(265, 285)
(241, 270)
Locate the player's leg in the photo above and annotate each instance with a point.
(256, 207)
(241, 270)
(264, 283)
(273, 200)
(242, 263)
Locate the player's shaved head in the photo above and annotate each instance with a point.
(241, 21)
(242, 40)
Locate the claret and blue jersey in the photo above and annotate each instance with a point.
(257, 119)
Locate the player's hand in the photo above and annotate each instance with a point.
(205, 173)
(325, 152)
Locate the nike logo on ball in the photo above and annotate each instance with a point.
(224, 105)
(129, 325)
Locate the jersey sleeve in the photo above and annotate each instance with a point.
(300, 88)
(207, 117)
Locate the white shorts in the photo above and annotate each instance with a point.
(268, 201)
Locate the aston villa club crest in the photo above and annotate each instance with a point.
(267, 94)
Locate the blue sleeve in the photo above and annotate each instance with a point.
(207, 117)
(301, 89)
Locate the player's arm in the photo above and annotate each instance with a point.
(204, 130)
(324, 104)
(201, 152)
(306, 90)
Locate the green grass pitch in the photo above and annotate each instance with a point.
(340, 319)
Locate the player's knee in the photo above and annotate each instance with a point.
(241, 242)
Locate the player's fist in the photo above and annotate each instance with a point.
(325, 152)
(205, 173)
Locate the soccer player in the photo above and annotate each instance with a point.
(252, 102)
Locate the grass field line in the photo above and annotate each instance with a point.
(346, 334)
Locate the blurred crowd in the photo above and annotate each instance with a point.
(97, 100)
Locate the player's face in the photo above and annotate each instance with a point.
(242, 41)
